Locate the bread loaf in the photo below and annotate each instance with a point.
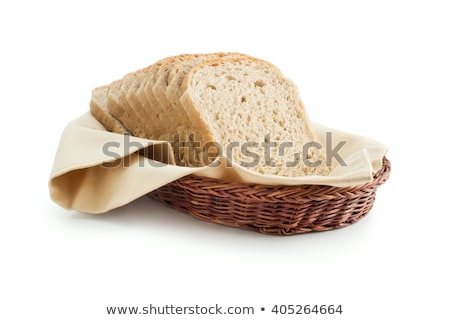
(241, 105)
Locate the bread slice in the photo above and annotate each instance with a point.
(158, 87)
(149, 103)
(135, 113)
(151, 128)
(241, 100)
(98, 107)
(179, 144)
(168, 86)
(118, 106)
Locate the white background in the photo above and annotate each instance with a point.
(377, 68)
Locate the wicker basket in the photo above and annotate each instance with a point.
(281, 210)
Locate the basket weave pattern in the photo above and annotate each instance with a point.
(281, 210)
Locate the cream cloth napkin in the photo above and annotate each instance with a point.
(89, 177)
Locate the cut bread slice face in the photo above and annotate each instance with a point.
(118, 106)
(255, 114)
(98, 107)
(149, 103)
(179, 144)
(152, 128)
(169, 87)
(135, 113)
(158, 88)
(169, 84)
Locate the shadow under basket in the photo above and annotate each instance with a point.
(281, 210)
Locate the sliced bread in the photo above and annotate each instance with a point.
(118, 107)
(98, 107)
(169, 87)
(135, 113)
(149, 103)
(229, 100)
(152, 128)
(246, 100)
(157, 88)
